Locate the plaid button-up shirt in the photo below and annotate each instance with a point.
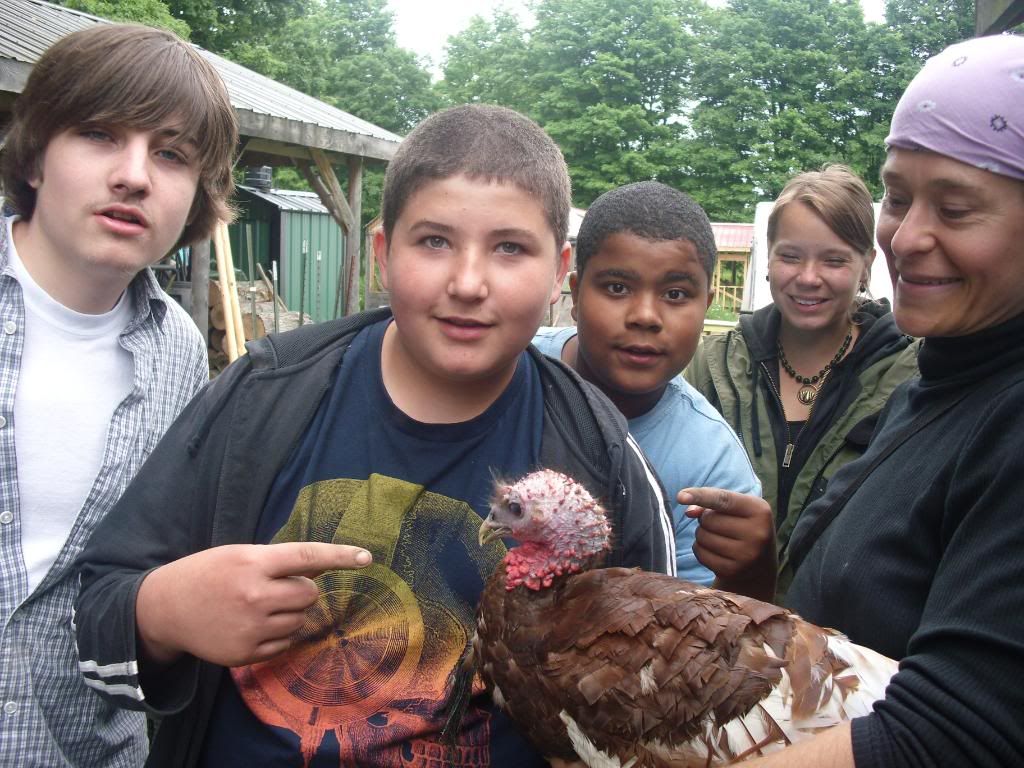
(48, 717)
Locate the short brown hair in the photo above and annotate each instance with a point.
(481, 142)
(839, 197)
(133, 76)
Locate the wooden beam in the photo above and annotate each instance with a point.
(322, 192)
(286, 151)
(14, 75)
(992, 16)
(323, 165)
(279, 129)
(354, 240)
(368, 271)
(201, 286)
(244, 143)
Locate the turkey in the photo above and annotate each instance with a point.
(625, 668)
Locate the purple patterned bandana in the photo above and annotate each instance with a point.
(968, 103)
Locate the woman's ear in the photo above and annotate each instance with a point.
(865, 279)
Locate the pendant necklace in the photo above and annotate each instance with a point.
(811, 385)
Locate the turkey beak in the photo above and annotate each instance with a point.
(491, 529)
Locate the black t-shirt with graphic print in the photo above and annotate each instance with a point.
(366, 683)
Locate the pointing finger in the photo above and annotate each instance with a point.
(711, 498)
(311, 558)
(726, 502)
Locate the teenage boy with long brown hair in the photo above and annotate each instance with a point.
(118, 153)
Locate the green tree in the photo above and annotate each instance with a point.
(784, 86)
(615, 77)
(152, 13)
(223, 25)
(488, 62)
(344, 52)
(606, 78)
(340, 51)
(913, 31)
(725, 103)
(926, 27)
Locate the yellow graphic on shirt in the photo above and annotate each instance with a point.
(372, 661)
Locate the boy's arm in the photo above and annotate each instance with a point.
(717, 461)
(235, 604)
(155, 598)
(688, 567)
(166, 513)
(161, 517)
(197, 372)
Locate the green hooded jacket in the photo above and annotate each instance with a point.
(736, 371)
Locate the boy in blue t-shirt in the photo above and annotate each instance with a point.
(644, 258)
(362, 453)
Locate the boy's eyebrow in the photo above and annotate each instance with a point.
(435, 225)
(629, 274)
(515, 232)
(679, 277)
(509, 232)
(177, 134)
(626, 274)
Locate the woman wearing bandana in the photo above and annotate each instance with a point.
(917, 548)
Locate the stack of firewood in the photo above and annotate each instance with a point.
(254, 325)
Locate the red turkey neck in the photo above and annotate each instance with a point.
(536, 566)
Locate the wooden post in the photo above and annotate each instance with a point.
(233, 311)
(330, 181)
(200, 287)
(370, 271)
(302, 282)
(277, 298)
(316, 289)
(252, 277)
(353, 240)
(222, 280)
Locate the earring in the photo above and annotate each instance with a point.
(767, 279)
(863, 286)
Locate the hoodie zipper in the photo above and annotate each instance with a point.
(791, 442)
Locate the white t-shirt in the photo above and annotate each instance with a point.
(74, 373)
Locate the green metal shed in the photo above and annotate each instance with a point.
(294, 229)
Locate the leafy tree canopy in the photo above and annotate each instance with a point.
(726, 103)
(152, 13)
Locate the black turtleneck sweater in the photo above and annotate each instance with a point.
(925, 563)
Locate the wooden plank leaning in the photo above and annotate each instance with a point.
(222, 281)
(229, 291)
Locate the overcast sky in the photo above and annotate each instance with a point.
(424, 27)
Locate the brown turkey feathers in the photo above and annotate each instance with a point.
(620, 667)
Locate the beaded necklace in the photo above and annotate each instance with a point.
(810, 386)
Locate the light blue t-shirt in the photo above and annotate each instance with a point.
(689, 444)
